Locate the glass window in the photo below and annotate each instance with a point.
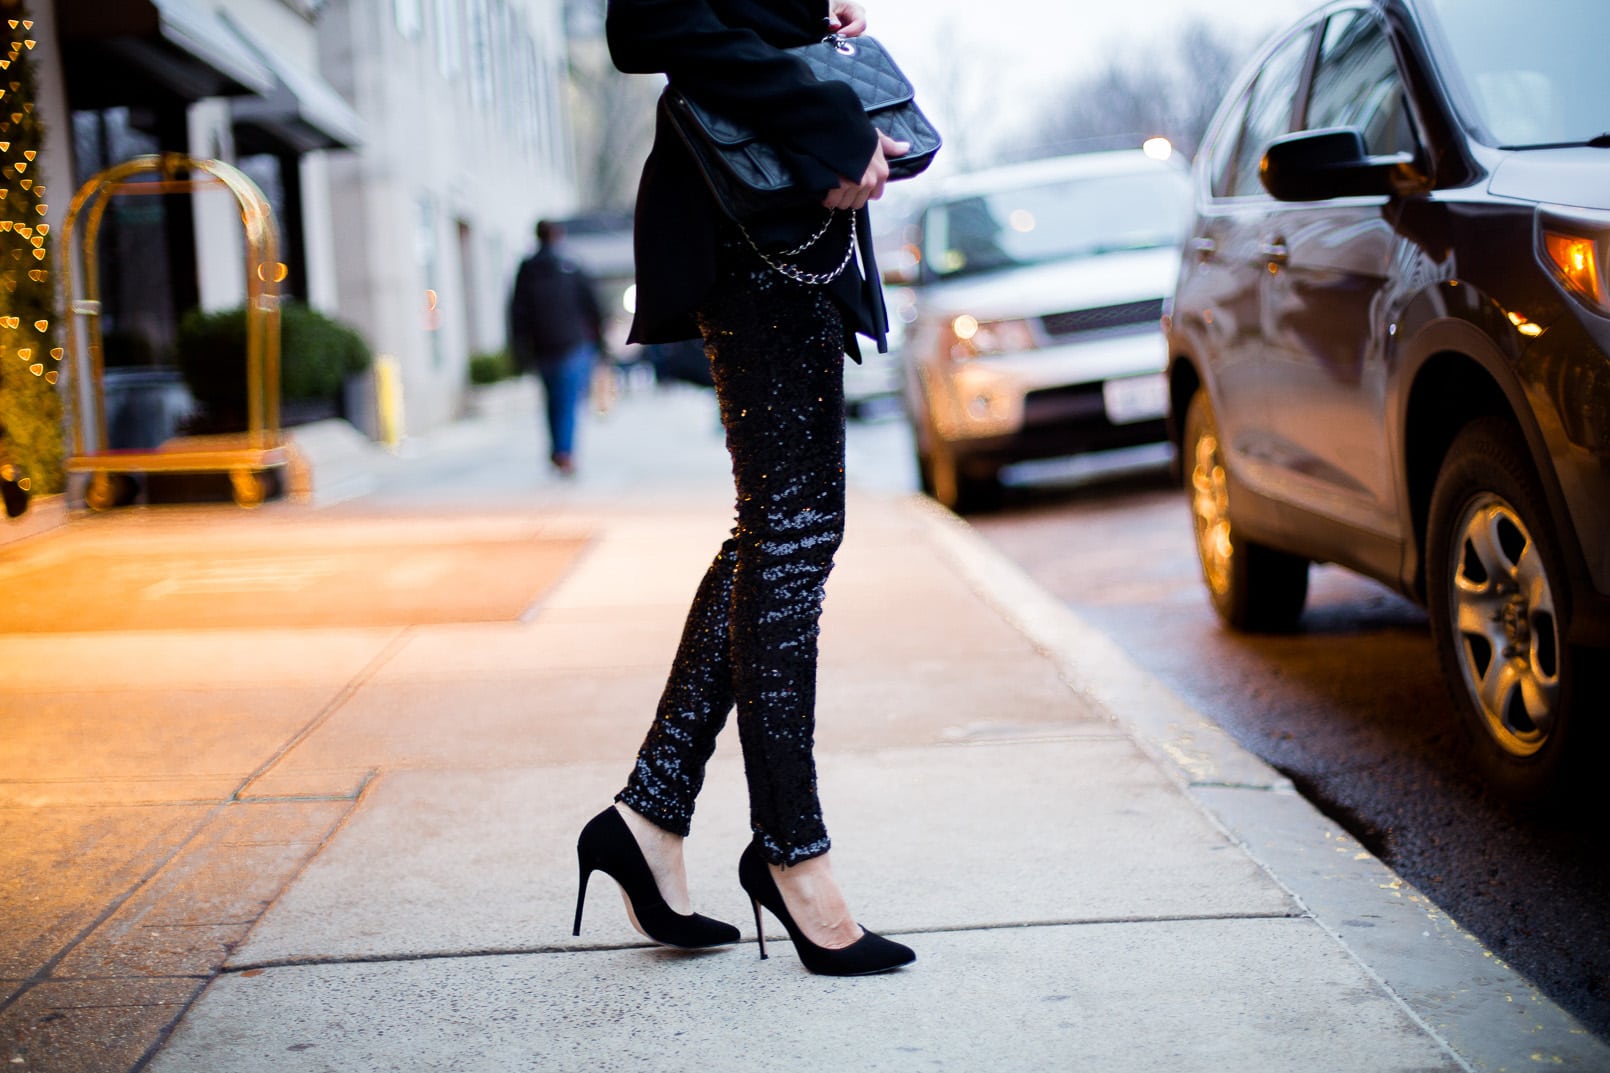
(111, 136)
(530, 118)
(506, 31)
(1221, 152)
(1357, 84)
(1074, 217)
(480, 54)
(427, 250)
(449, 37)
(408, 15)
(1269, 115)
(146, 247)
(1532, 74)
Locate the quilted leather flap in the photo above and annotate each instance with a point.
(722, 130)
(860, 62)
(863, 63)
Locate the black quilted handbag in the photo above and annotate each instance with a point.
(748, 177)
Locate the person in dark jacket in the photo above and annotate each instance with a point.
(555, 330)
(776, 347)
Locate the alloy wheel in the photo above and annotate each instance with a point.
(1503, 612)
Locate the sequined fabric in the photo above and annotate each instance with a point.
(776, 349)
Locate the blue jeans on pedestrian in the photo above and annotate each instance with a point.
(564, 383)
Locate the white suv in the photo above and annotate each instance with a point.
(1038, 291)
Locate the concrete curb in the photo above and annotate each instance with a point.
(1487, 1015)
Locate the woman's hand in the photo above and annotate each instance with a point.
(852, 195)
(847, 19)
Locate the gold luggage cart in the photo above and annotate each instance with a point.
(246, 457)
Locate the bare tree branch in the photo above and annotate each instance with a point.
(1137, 96)
(612, 114)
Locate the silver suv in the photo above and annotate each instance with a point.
(1037, 294)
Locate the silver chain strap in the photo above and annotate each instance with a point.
(814, 239)
(797, 274)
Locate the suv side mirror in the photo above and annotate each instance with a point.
(1316, 165)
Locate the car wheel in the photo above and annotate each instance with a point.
(107, 490)
(925, 473)
(944, 479)
(1252, 587)
(1494, 582)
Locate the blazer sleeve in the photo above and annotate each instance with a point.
(819, 127)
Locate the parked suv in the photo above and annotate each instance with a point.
(1388, 348)
(1034, 317)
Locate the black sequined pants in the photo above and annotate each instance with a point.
(777, 354)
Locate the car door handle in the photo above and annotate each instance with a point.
(1275, 252)
(1204, 247)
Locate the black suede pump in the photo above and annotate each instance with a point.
(607, 845)
(867, 955)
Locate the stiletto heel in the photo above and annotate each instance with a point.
(869, 954)
(607, 845)
(581, 889)
(760, 930)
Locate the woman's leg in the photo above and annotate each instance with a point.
(693, 708)
(777, 359)
(564, 385)
(778, 364)
(657, 802)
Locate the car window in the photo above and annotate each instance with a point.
(1270, 113)
(1534, 73)
(1356, 84)
(1074, 217)
(1220, 152)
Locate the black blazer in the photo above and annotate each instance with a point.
(726, 54)
(552, 309)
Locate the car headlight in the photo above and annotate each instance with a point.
(973, 338)
(1579, 262)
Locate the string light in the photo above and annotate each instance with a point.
(27, 295)
(15, 168)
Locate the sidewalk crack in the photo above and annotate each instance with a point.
(252, 968)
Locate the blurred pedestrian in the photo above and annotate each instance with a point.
(556, 331)
(776, 342)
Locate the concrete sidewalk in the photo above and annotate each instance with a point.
(352, 847)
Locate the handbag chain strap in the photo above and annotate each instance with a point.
(794, 272)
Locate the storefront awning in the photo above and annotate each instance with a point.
(123, 50)
(301, 113)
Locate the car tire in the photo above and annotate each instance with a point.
(948, 483)
(1494, 585)
(1252, 587)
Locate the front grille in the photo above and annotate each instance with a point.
(1073, 404)
(1103, 318)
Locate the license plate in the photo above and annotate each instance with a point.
(1135, 398)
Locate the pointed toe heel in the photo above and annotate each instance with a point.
(607, 845)
(869, 954)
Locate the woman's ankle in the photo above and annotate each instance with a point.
(816, 903)
(662, 850)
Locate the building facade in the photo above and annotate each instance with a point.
(408, 147)
(468, 145)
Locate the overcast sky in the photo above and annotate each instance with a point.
(1049, 36)
(1031, 47)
